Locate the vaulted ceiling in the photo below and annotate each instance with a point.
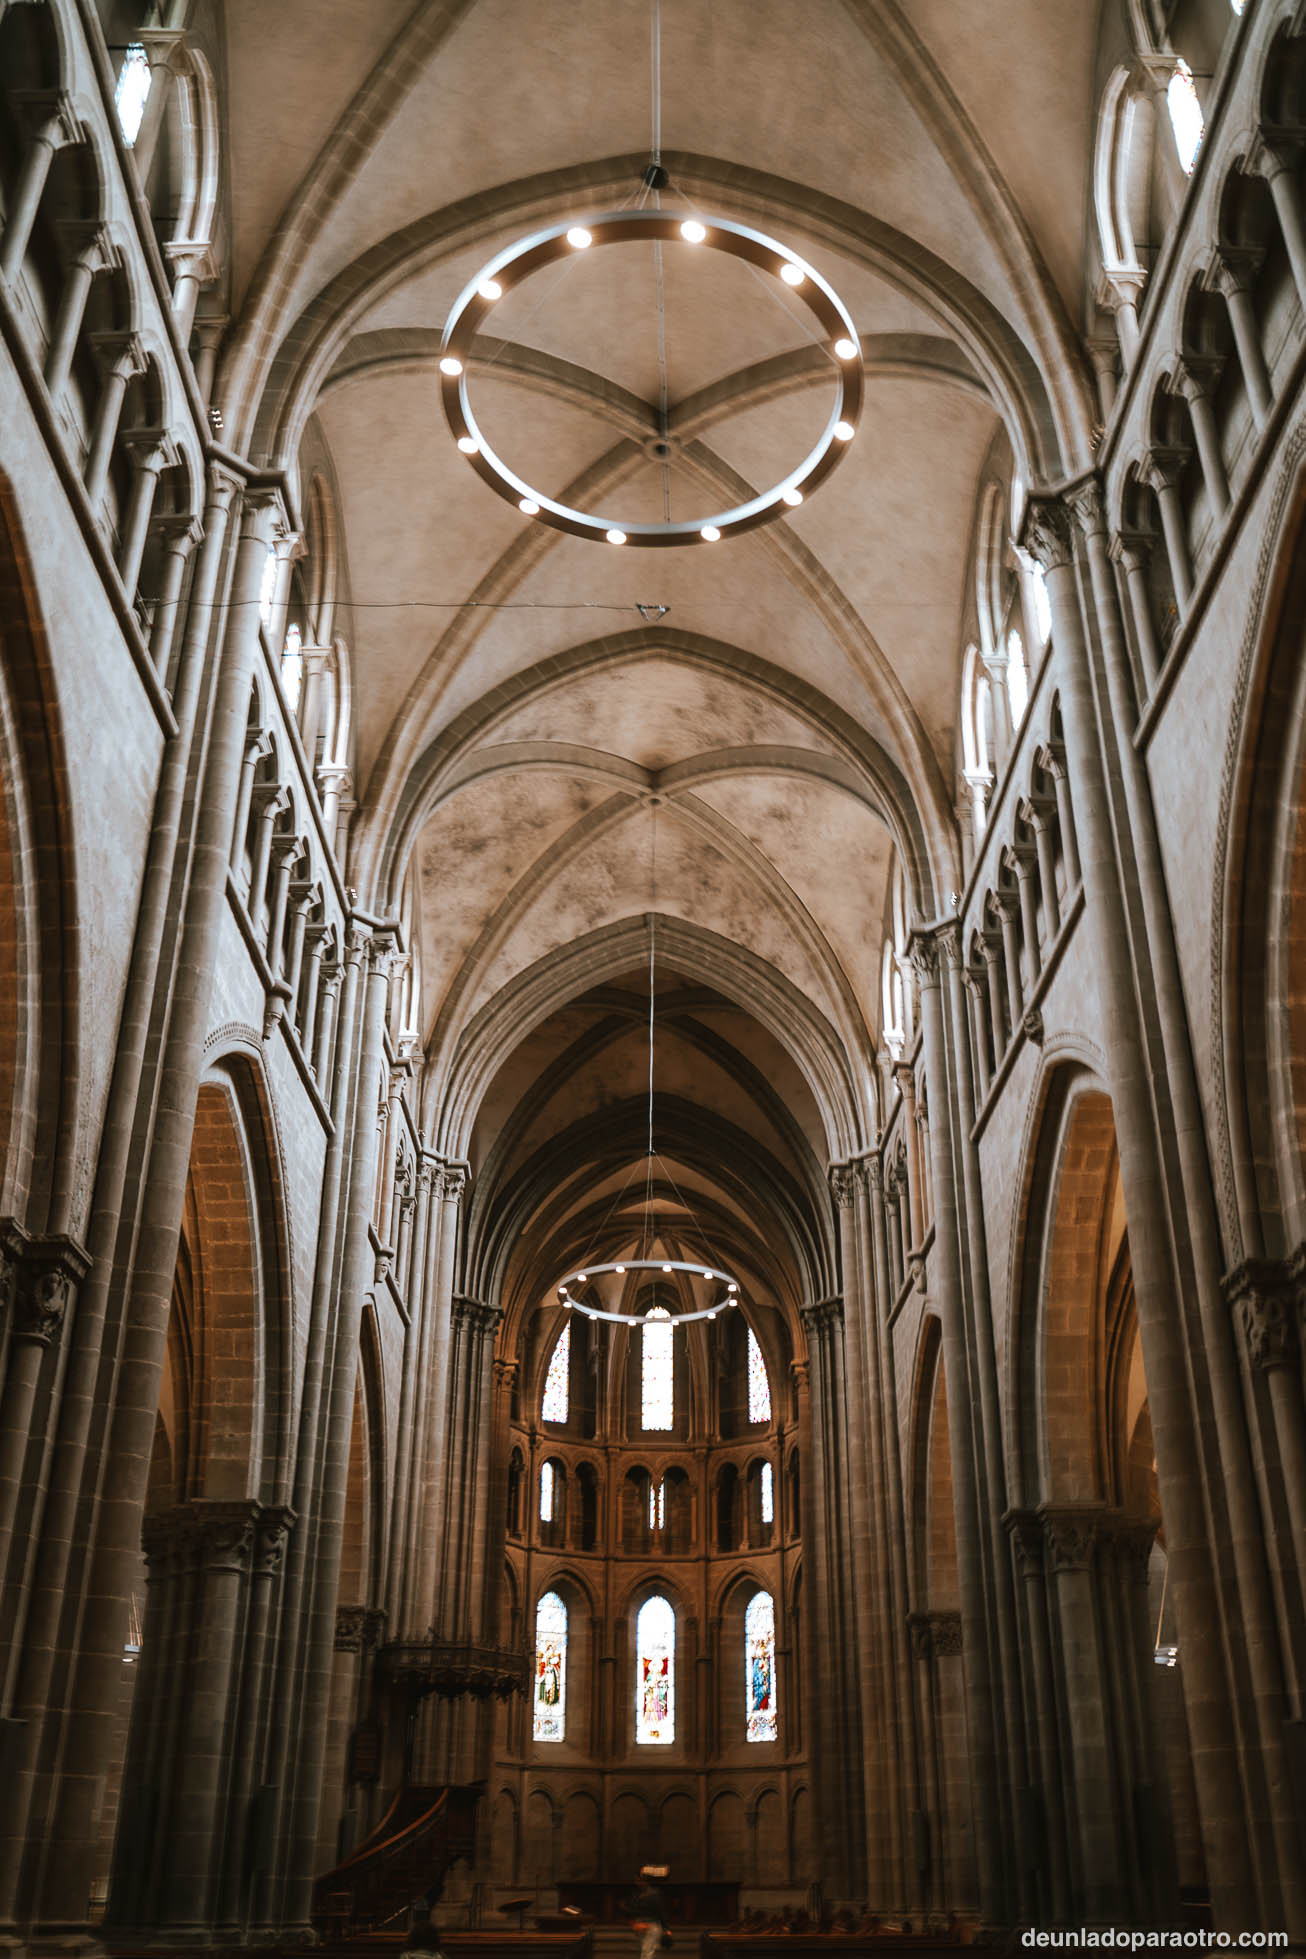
(564, 738)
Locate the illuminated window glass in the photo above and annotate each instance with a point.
(1185, 115)
(759, 1667)
(656, 1504)
(768, 1495)
(655, 1673)
(556, 1381)
(657, 1398)
(1042, 605)
(759, 1388)
(132, 92)
(550, 1668)
(546, 1494)
(292, 667)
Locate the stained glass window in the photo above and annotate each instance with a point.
(556, 1381)
(1042, 604)
(292, 667)
(759, 1388)
(768, 1495)
(658, 1397)
(1185, 116)
(267, 588)
(656, 1503)
(655, 1672)
(132, 92)
(550, 1667)
(1017, 679)
(759, 1667)
(546, 1494)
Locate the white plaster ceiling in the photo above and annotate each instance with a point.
(933, 161)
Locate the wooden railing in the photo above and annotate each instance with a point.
(423, 1832)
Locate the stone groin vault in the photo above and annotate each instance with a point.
(354, 824)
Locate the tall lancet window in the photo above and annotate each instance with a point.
(759, 1388)
(759, 1667)
(546, 1493)
(556, 1382)
(655, 1672)
(550, 1668)
(657, 1398)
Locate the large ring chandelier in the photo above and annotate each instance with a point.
(730, 1297)
(510, 267)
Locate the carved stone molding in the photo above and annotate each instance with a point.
(474, 1315)
(1025, 1529)
(1086, 506)
(450, 1182)
(351, 1621)
(820, 1317)
(39, 1275)
(203, 1535)
(271, 1535)
(934, 1635)
(843, 1184)
(1032, 1023)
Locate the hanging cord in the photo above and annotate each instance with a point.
(655, 78)
(653, 178)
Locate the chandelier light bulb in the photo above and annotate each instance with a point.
(693, 232)
(451, 365)
(845, 349)
(793, 498)
(615, 537)
(529, 505)
(490, 289)
(843, 431)
(620, 1268)
(709, 533)
(578, 238)
(666, 1268)
(791, 274)
(468, 444)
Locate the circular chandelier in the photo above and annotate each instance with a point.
(668, 1265)
(511, 267)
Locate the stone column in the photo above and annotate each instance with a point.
(340, 1376)
(1038, 812)
(1049, 1829)
(193, 266)
(1178, 1467)
(245, 1849)
(37, 1683)
(39, 1276)
(1265, 1299)
(1052, 759)
(1119, 293)
(835, 1755)
(1131, 550)
(946, 1289)
(120, 358)
(1020, 859)
(88, 250)
(1162, 472)
(428, 1503)
(1104, 355)
(268, 800)
(1275, 155)
(1008, 911)
(973, 982)
(208, 331)
(991, 952)
(152, 451)
(50, 123)
(1196, 380)
(905, 1076)
(179, 536)
(1231, 272)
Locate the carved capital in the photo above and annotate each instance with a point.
(1163, 467)
(271, 1535)
(1045, 534)
(1025, 1529)
(1085, 504)
(40, 1276)
(450, 1183)
(1071, 1535)
(351, 1622)
(1264, 1296)
(843, 1184)
(821, 1317)
(1195, 376)
(924, 954)
(945, 1633)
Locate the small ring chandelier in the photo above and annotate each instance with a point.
(559, 241)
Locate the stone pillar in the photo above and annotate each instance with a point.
(1196, 380)
(152, 451)
(1119, 292)
(38, 1277)
(179, 536)
(1266, 1301)
(1161, 472)
(947, 1294)
(50, 123)
(1275, 155)
(1231, 272)
(1038, 812)
(208, 331)
(1131, 550)
(1104, 355)
(1051, 758)
(120, 358)
(1178, 1467)
(1020, 859)
(88, 251)
(426, 1546)
(193, 266)
(38, 1681)
(1048, 1829)
(835, 1755)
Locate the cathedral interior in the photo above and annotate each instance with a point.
(652, 970)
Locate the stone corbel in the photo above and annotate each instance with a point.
(40, 1275)
(1264, 1297)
